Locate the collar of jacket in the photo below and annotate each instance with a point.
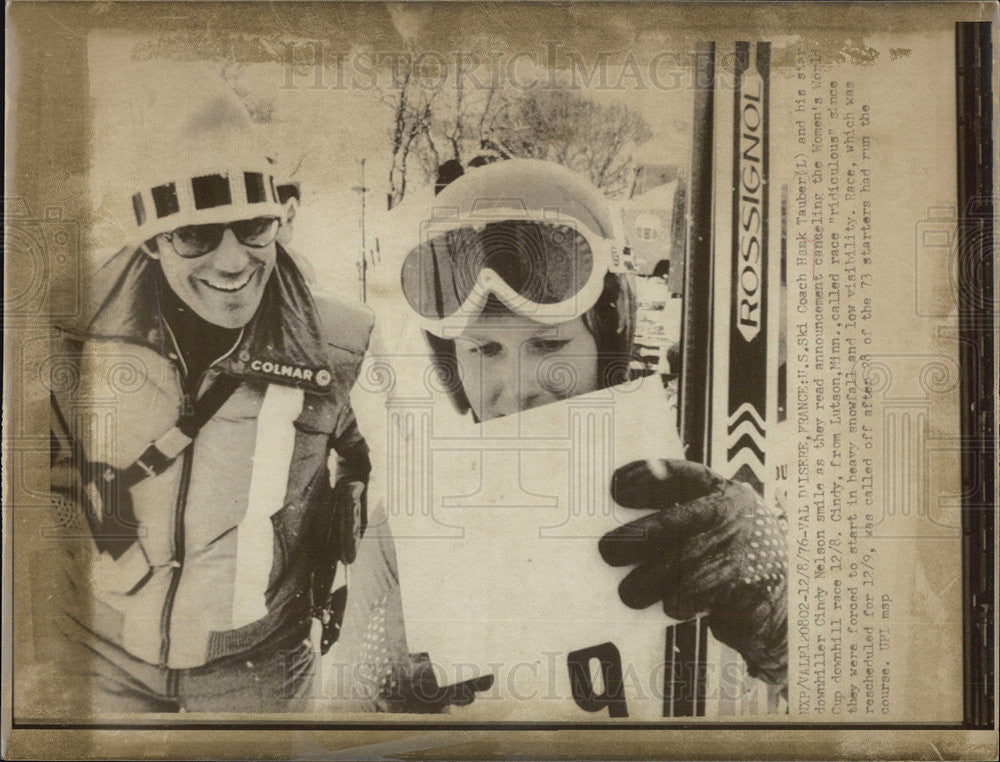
(283, 343)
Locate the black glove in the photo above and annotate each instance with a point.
(712, 547)
(107, 504)
(350, 506)
(348, 520)
(413, 688)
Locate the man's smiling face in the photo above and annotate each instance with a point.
(224, 286)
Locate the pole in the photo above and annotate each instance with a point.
(363, 261)
(364, 248)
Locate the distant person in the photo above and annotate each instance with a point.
(290, 197)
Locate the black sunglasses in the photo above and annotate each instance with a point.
(193, 241)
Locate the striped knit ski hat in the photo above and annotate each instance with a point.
(195, 159)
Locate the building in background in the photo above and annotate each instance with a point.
(653, 221)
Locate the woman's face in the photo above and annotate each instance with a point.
(509, 363)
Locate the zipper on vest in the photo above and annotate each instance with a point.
(177, 565)
(187, 459)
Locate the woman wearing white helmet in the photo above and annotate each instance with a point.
(511, 282)
(513, 275)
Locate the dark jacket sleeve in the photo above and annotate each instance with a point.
(347, 441)
(348, 329)
(65, 479)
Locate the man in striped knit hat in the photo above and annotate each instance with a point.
(199, 526)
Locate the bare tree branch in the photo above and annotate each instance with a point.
(563, 126)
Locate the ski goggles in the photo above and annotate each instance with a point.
(193, 241)
(550, 272)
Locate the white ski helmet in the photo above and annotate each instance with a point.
(529, 237)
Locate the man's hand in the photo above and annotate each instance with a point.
(711, 547)
(350, 506)
(347, 522)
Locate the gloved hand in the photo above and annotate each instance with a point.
(350, 506)
(348, 520)
(413, 688)
(712, 547)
